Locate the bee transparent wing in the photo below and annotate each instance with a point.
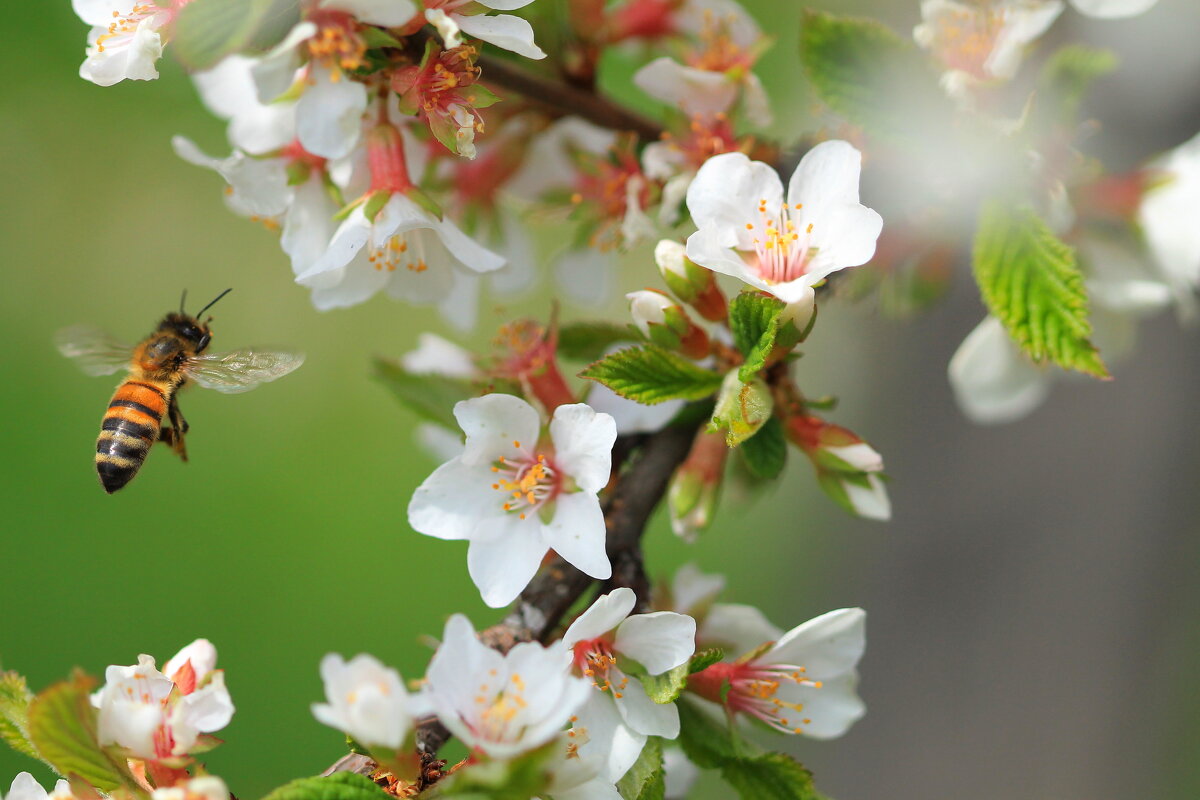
(93, 350)
(241, 370)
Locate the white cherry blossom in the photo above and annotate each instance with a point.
(1167, 216)
(26, 787)
(505, 704)
(513, 497)
(748, 230)
(365, 700)
(804, 683)
(206, 787)
(126, 39)
(620, 715)
(1113, 9)
(503, 30)
(255, 126)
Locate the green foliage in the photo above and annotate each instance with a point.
(645, 780)
(15, 698)
(872, 77)
(754, 321)
(431, 397)
(667, 687)
(649, 374)
(62, 726)
(521, 778)
(587, 341)
(705, 659)
(742, 408)
(1030, 281)
(338, 786)
(208, 30)
(1068, 75)
(766, 451)
(770, 776)
(705, 741)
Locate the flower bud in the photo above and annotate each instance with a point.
(696, 486)
(848, 469)
(665, 323)
(742, 408)
(688, 281)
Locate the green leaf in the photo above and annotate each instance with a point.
(588, 341)
(62, 726)
(1067, 76)
(208, 30)
(766, 451)
(645, 780)
(872, 77)
(519, 778)
(705, 659)
(274, 24)
(666, 688)
(338, 786)
(15, 698)
(431, 397)
(770, 776)
(1030, 281)
(375, 38)
(705, 741)
(742, 408)
(650, 374)
(754, 321)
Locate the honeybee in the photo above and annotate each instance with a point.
(159, 366)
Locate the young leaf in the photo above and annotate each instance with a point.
(338, 786)
(208, 30)
(62, 726)
(766, 451)
(706, 742)
(15, 698)
(650, 374)
(645, 780)
(751, 316)
(872, 77)
(705, 659)
(1030, 281)
(587, 341)
(431, 397)
(770, 776)
(667, 687)
(1068, 75)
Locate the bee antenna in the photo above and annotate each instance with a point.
(214, 302)
(182, 300)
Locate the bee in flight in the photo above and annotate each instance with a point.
(162, 364)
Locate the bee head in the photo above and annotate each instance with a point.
(195, 332)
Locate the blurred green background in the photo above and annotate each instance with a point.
(1032, 606)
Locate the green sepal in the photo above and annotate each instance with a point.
(348, 209)
(705, 659)
(649, 374)
(646, 779)
(62, 728)
(588, 341)
(338, 786)
(479, 96)
(376, 38)
(424, 201)
(297, 173)
(742, 408)
(667, 687)
(765, 452)
(15, 698)
(375, 203)
(431, 397)
(1030, 281)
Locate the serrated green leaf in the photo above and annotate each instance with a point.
(338, 786)
(766, 451)
(650, 374)
(62, 726)
(208, 30)
(588, 341)
(646, 779)
(1067, 76)
(15, 698)
(705, 741)
(1030, 281)
(705, 659)
(431, 397)
(872, 77)
(751, 315)
(770, 776)
(666, 688)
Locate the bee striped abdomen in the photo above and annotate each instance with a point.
(130, 428)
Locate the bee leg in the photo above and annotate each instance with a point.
(173, 439)
(177, 420)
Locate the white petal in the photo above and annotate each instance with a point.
(437, 356)
(1167, 215)
(706, 248)
(870, 501)
(469, 252)
(606, 613)
(726, 194)
(828, 173)
(644, 715)
(826, 646)
(275, 72)
(133, 59)
(1023, 23)
(1113, 9)
(830, 709)
(388, 13)
(736, 628)
(98, 13)
(25, 787)
(504, 5)
(845, 236)
(201, 654)
(583, 442)
(993, 380)
(329, 114)
(347, 286)
(460, 307)
(501, 568)
(659, 641)
(503, 30)
(680, 773)
(497, 425)
(577, 533)
(446, 25)
(609, 736)
(756, 102)
(438, 442)
(458, 502)
(693, 591)
(695, 91)
(308, 224)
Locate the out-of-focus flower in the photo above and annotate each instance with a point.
(437, 356)
(126, 39)
(620, 715)
(1168, 216)
(803, 683)
(695, 488)
(505, 704)
(993, 381)
(1113, 9)
(680, 773)
(496, 492)
(206, 787)
(26, 787)
(443, 91)
(788, 246)
(503, 30)
(365, 700)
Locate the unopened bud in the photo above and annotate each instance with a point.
(696, 486)
(742, 408)
(848, 468)
(690, 282)
(666, 323)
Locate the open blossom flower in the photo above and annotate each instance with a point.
(505, 704)
(206, 787)
(366, 700)
(455, 17)
(1113, 9)
(804, 683)
(26, 787)
(442, 90)
(620, 715)
(126, 39)
(1167, 216)
(749, 231)
(578, 777)
(515, 497)
(155, 716)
